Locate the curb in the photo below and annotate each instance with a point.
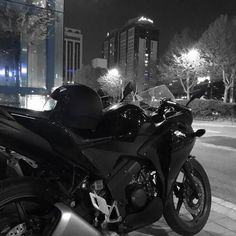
(223, 207)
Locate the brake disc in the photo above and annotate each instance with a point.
(189, 201)
(18, 230)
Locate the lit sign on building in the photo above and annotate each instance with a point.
(145, 19)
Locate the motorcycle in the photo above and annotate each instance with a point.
(82, 170)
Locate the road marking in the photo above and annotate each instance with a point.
(215, 125)
(219, 147)
(212, 131)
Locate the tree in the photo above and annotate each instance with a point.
(218, 45)
(112, 83)
(32, 22)
(182, 62)
(89, 76)
(24, 27)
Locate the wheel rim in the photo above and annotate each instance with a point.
(188, 206)
(18, 230)
(26, 217)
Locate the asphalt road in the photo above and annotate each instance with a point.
(216, 151)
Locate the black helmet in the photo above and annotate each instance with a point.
(78, 106)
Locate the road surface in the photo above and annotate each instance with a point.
(216, 151)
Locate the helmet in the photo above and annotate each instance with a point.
(78, 106)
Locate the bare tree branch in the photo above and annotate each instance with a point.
(33, 22)
(218, 44)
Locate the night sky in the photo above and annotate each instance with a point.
(96, 17)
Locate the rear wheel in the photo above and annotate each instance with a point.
(188, 208)
(25, 209)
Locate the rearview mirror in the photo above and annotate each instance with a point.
(197, 94)
(200, 132)
(127, 90)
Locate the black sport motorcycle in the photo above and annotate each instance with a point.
(76, 169)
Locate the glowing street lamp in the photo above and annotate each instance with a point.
(114, 72)
(116, 76)
(191, 62)
(193, 55)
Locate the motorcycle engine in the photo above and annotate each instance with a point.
(141, 189)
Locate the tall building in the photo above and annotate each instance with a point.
(134, 49)
(111, 48)
(31, 42)
(73, 49)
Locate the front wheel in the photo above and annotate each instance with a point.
(187, 208)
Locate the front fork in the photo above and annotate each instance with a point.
(3, 168)
(188, 170)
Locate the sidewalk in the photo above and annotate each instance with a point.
(222, 222)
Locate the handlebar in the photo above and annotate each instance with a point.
(167, 103)
(168, 110)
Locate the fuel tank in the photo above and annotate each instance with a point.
(130, 129)
(122, 120)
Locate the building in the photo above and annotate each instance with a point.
(73, 49)
(31, 44)
(111, 48)
(99, 63)
(134, 49)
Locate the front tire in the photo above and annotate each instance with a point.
(185, 212)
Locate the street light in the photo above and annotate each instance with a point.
(193, 55)
(116, 76)
(190, 61)
(113, 72)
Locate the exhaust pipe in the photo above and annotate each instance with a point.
(70, 224)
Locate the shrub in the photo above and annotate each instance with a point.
(211, 109)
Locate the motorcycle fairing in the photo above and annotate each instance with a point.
(147, 216)
(178, 158)
(26, 112)
(15, 137)
(43, 141)
(105, 156)
(181, 146)
(170, 156)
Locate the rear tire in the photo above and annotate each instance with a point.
(23, 202)
(198, 210)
